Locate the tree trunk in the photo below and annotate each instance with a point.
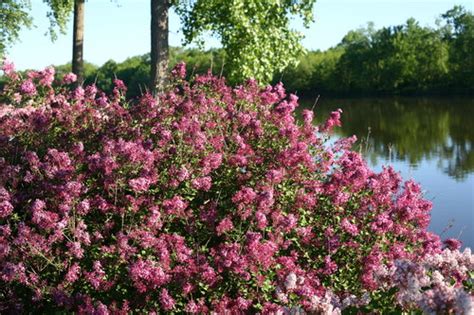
(159, 45)
(78, 41)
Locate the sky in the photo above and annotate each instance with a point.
(118, 29)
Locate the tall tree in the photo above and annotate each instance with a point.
(59, 16)
(255, 34)
(78, 41)
(159, 53)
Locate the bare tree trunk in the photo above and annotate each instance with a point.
(78, 41)
(159, 45)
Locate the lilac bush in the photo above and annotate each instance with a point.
(205, 199)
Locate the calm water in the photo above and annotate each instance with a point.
(429, 140)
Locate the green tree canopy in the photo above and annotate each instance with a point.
(14, 14)
(255, 34)
(460, 35)
(59, 14)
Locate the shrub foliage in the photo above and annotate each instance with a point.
(205, 199)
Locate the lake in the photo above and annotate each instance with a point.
(429, 140)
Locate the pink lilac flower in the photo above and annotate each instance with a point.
(139, 184)
(261, 220)
(246, 196)
(17, 97)
(349, 227)
(4, 248)
(101, 309)
(308, 116)
(333, 120)
(10, 272)
(28, 88)
(192, 307)
(175, 205)
(183, 174)
(382, 223)
(119, 84)
(262, 253)
(6, 209)
(8, 67)
(47, 76)
(452, 243)
(83, 207)
(224, 226)
(238, 160)
(179, 70)
(243, 304)
(290, 281)
(266, 199)
(274, 176)
(166, 300)
(202, 183)
(326, 304)
(329, 265)
(290, 222)
(147, 275)
(44, 219)
(75, 249)
(69, 78)
(73, 273)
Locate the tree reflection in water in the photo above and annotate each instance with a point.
(410, 130)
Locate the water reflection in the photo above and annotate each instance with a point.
(410, 130)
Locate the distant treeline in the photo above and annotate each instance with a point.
(402, 59)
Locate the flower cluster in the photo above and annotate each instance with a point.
(204, 199)
(435, 283)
